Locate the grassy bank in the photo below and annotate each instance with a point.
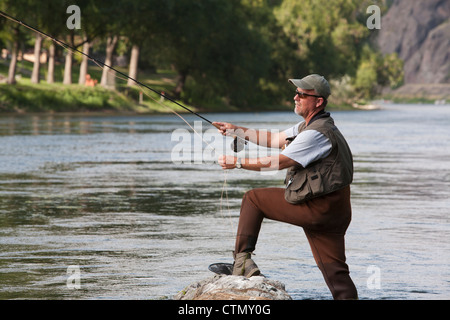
(26, 97)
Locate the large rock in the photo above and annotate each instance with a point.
(223, 287)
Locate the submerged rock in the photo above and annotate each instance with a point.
(224, 287)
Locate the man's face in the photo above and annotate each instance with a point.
(306, 105)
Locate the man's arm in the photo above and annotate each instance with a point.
(263, 138)
(276, 162)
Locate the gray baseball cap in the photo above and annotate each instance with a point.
(313, 82)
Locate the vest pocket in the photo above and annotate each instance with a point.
(297, 189)
(315, 183)
(304, 185)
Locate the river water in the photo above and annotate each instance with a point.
(134, 207)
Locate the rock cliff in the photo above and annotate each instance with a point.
(419, 31)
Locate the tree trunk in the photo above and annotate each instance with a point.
(180, 84)
(13, 63)
(133, 65)
(84, 63)
(108, 78)
(37, 59)
(51, 64)
(68, 68)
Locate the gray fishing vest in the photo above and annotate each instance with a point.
(325, 175)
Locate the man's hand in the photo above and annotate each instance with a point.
(227, 162)
(224, 127)
(275, 162)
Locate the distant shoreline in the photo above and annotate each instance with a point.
(43, 98)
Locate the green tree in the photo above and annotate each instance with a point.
(217, 56)
(331, 39)
(49, 17)
(92, 28)
(12, 33)
(93, 24)
(390, 71)
(142, 24)
(326, 32)
(376, 71)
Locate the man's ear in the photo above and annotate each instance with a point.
(319, 103)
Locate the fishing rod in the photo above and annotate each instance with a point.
(236, 146)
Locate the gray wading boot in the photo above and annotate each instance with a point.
(244, 265)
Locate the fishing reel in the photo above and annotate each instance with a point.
(238, 144)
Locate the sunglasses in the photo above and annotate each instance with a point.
(303, 95)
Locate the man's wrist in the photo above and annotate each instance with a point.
(238, 163)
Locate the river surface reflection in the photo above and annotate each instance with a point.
(102, 195)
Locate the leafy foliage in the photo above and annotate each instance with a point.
(236, 53)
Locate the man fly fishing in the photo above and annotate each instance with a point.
(317, 192)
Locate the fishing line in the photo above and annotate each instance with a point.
(124, 76)
(225, 193)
